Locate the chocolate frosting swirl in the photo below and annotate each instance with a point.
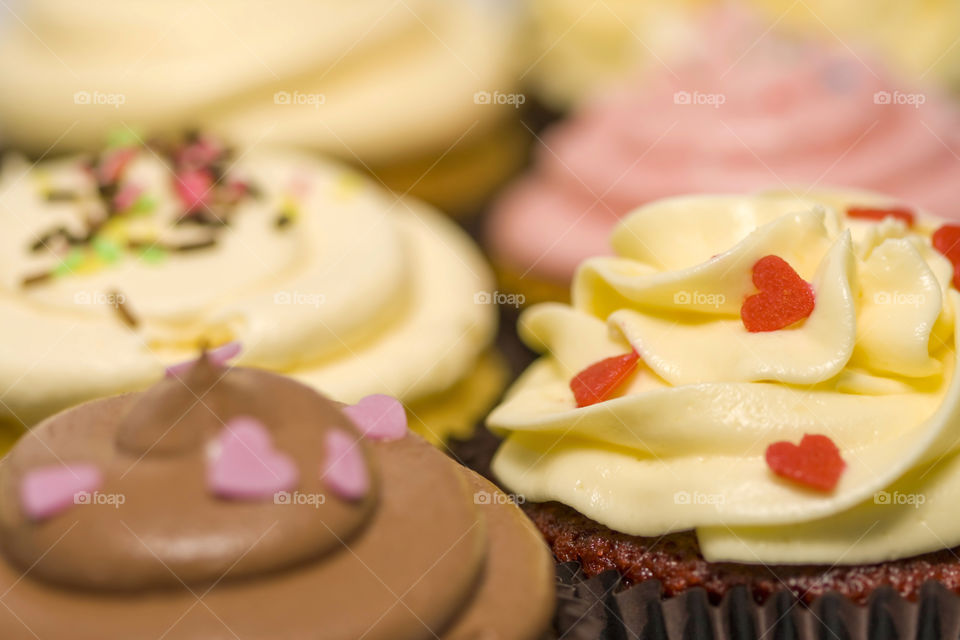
(415, 556)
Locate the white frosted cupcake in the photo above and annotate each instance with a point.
(388, 86)
(116, 266)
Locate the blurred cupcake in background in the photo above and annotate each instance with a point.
(119, 264)
(578, 48)
(918, 39)
(749, 111)
(420, 93)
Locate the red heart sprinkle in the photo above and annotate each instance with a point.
(597, 382)
(946, 240)
(878, 213)
(784, 299)
(816, 462)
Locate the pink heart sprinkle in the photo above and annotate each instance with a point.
(379, 417)
(46, 491)
(201, 153)
(126, 197)
(193, 188)
(344, 469)
(247, 466)
(218, 357)
(114, 163)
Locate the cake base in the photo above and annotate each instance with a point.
(675, 561)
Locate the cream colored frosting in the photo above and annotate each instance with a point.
(682, 447)
(582, 47)
(362, 293)
(372, 80)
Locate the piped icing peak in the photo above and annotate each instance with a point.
(852, 355)
(269, 499)
(186, 456)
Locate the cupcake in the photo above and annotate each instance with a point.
(581, 48)
(395, 88)
(266, 511)
(917, 38)
(747, 114)
(754, 392)
(118, 265)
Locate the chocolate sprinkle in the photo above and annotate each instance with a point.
(283, 220)
(123, 310)
(193, 246)
(37, 278)
(61, 195)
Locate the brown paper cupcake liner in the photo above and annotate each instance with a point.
(600, 608)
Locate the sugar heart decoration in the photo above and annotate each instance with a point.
(379, 417)
(246, 466)
(218, 357)
(815, 462)
(600, 380)
(784, 298)
(126, 196)
(903, 214)
(946, 240)
(344, 469)
(193, 186)
(114, 163)
(46, 491)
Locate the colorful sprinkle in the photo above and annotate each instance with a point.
(123, 137)
(70, 262)
(126, 196)
(784, 299)
(247, 467)
(816, 462)
(47, 491)
(202, 152)
(904, 214)
(599, 381)
(143, 204)
(345, 470)
(153, 254)
(107, 250)
(194, 187)
(113, 163)
(209, 198)
(379, 417)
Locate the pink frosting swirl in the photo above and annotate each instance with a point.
(781, 115)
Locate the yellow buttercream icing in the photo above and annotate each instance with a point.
(682, 446)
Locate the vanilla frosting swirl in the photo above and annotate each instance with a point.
(301, 73)
(729, 117)
(682, 447)
(317, 273)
